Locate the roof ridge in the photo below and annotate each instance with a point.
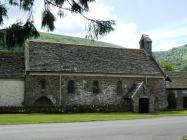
(123, 48)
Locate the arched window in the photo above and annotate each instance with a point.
(119, 88)
(43, 84)
(95, 87)
(71, 86)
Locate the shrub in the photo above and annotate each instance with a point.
(172, 101)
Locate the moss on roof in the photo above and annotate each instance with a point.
(7, 54)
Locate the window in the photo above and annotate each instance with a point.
(142, 43)
(71, 86)
(168, 82)
(95, 87)
(119, 88)
(43, 84)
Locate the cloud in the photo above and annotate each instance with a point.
(125, 34)
(100, 10)
(75, 24)
(166, 46)
(169, 33)
(14, 15)
(167, 38)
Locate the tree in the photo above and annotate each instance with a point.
(184, 68)
(18, 32)
(166, 65)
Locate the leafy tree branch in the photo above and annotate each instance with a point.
(18, 32)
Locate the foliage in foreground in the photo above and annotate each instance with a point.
(166, 65)
(185, 138)
(18, 32)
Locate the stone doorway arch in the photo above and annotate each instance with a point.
(43, 102)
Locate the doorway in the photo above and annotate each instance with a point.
(43, 102)
(143, 105)
(184, 102)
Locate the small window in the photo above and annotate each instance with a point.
(142, 43)
(167, 84)
(71, 86)
(119, 88)
(95, 87)
(43, 84)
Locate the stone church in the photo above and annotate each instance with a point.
(83, 77)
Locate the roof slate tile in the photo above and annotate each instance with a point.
(45, 56)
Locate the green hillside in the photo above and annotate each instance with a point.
(47, 37)
(176, 56)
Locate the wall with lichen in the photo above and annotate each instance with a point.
(83, 98)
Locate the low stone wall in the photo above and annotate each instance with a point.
(13, 110)
(11, 92)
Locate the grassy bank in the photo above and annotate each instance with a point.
(83, 117)
(184, 138)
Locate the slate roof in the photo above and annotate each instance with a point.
(11, 65)
(179, 80)
(43, 56)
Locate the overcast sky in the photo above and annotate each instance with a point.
(165, 21)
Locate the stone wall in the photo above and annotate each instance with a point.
(12, 71)
(33, 90)
(154, 91)
(179, 94)
(11, 65)
(11, 92)
(158, 93)
(84, 96)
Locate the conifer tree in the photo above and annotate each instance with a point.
(18, 32)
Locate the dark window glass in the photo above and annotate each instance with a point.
(142, 43)
(71, 86)
(95, 87)
(43, 84)
(119, 88)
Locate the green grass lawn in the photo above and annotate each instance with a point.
(185, 138)
(82, 117)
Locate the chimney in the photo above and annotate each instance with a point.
(146, 44)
